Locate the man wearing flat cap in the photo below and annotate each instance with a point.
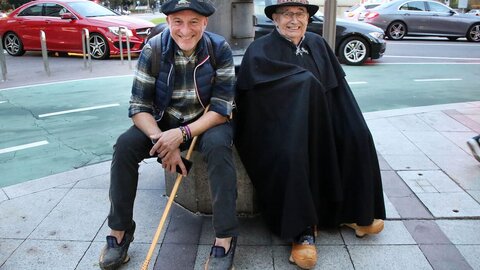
(194, 71)
(322, 165)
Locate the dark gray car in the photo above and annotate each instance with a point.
(402, 18)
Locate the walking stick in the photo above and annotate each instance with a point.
(169, 204)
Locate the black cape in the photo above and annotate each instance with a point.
(303, 139)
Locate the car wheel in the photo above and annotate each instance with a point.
(354, 51)
(13, 44)
(396, 30)
(99, 47)
(473, 34)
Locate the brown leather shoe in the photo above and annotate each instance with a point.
(360, 231)
(304, 253)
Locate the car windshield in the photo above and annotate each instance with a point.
(370, 6)
(352, 8)
(384, 5)
(90, 9)
(319, 14)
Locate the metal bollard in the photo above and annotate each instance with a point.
(3, 63)
(86, 49)
(43, 44)
(120, 33)
(124, 30)
(128, 51)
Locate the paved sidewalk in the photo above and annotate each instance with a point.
(431, 183)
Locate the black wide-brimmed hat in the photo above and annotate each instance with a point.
(311, 9)
(203, 7)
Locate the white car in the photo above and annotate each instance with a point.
(354, 12)
(474, 12)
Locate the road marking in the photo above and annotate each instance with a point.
(2, 101)
(22, 147)
(437, 80)
(422, 63)
(431, 57)
(430, 44)
(79, 110)
(50, 83)
(357, 82)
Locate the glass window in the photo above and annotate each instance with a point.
(35, 10)
(417, 6)
(436, 7)
(90, 9)
(352, 8)
(371, 6)
(54, 10)
(414, 6)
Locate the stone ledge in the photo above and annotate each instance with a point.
(194, 192)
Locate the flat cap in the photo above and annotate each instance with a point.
(202, 7)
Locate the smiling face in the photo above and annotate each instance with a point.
(186, 28)
(291, 22)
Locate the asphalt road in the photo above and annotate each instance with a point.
(51, 124)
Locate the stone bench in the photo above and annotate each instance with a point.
(194, 191)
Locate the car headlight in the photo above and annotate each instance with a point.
(378, 35)
(116, 30)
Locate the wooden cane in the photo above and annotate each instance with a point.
(169, 204)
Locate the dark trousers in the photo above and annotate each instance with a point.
(215, 145)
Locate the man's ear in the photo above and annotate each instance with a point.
(205, 23)
(274, 19)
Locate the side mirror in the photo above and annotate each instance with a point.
(68, 16)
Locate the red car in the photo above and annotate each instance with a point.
(63, 22)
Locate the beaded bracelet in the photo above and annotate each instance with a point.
(186, 134)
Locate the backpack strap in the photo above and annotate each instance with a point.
(156, 55)
(213, 61)
(156, 44)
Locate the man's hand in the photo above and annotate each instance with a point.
(166, 142)
(172, 160)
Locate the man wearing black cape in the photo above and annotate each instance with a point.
(302, 137)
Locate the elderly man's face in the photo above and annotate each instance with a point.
(186, 28)
(291, 22)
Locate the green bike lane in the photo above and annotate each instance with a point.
(69, 140)
(75, 123)
(395, 86)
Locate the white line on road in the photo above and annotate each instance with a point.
(2, 101)
(422, 63)
(431, 44)
(79, 110)
(437, 80)
(357, 82)
(22, 147)
(67, 81)
(432, 57)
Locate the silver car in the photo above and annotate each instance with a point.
(401, 18)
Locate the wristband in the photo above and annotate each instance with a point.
(184, 134)
(189, 133)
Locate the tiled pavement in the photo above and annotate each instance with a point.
(431, 183)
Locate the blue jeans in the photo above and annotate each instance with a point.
(215, 145)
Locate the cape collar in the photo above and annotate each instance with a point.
(299, 49)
